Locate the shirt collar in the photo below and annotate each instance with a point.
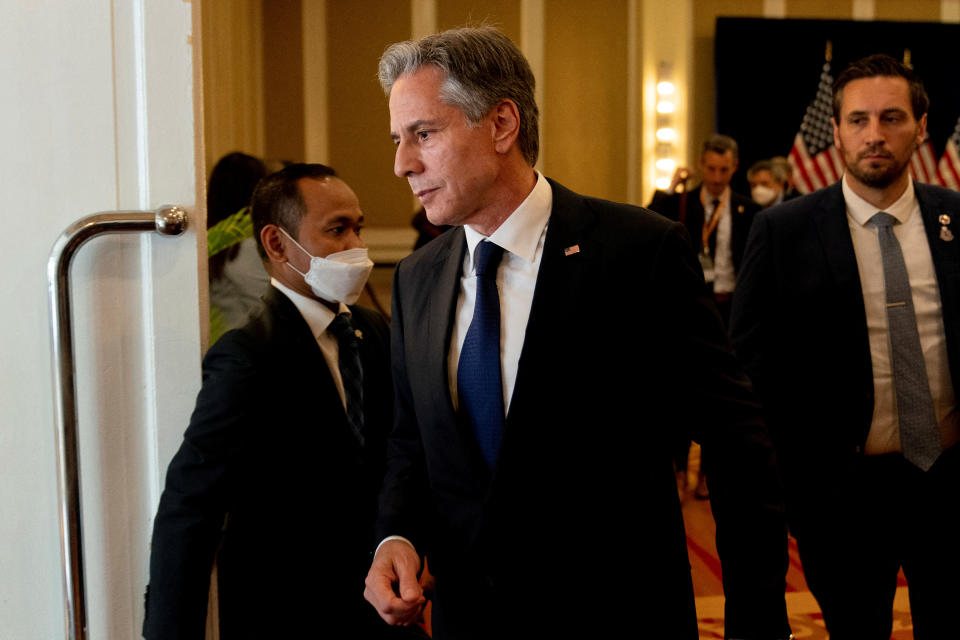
(861, 210)
(707, 198)
(520, 232)
(317, 315)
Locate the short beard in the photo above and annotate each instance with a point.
(877, 178)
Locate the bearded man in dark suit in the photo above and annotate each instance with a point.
(531, 454)
(846, 316)
(283, 458)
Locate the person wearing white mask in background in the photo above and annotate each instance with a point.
(767, 185)
(289, 430)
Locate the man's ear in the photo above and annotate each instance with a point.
(273, 245)
(922, 129)
(506, 123)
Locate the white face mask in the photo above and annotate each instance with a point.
(339, 277)
(763, 195)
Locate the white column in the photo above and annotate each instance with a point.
(863, 10)
(315, 105)
(950, 11)
(423, 18)
(532, 44)
(774, 8)
(667, 38)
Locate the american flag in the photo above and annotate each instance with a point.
(923, 164)
(950, 162)
(816, 162)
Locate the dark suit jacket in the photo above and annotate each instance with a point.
(799, 325)
(742, 208)
(578, 528)
(269, 450)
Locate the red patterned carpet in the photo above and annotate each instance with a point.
(805, 617)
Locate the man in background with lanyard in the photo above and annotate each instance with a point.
(717, 219)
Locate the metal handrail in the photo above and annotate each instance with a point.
(167, 220)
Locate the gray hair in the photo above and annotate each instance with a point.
(782, 170)
(481, 67)
(763, 165)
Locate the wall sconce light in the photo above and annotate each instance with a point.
(665, 152)
(666, 106)
(666, 134)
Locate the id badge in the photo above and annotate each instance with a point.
(706, 263)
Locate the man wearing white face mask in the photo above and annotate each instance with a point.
(285, 450)
(767, 186)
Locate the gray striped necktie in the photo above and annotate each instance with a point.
(919, 433)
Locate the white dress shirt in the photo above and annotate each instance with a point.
(884, 436)
(521, 235)
(724, 276)
(318, 317)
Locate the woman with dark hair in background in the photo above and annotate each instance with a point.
(237, 275)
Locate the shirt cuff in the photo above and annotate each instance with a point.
(388, 539)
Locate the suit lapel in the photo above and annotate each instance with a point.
(696, 217)
(441, 314)
(299, 349)
(834, 231)
(559, 281)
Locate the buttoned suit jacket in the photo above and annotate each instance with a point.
(577, 528)
(799, 325)
(270, 471)
(742, 210)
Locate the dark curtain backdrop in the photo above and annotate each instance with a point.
(767, 71)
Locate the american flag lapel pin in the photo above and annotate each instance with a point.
(569, 251)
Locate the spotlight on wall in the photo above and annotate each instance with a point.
(665, 88)
(666, 106)
(666, 134)
(666, 164)
(665, 153)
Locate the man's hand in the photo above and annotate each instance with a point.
(679, 177)
(392, 586)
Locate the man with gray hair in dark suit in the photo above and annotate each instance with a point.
(530, 459)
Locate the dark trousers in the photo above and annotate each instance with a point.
(893, 515)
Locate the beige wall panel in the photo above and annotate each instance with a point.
(232, 78)
(704, 90)
(919, 10)
(503, 14)
(585, 93)
(359, 121)
(283, 80)
(826, 9)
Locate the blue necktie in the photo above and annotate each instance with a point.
(479, 385)
(351, 371)
(919, 433)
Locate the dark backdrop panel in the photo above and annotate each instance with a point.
(767, 72)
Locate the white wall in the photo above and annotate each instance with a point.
(96, 113)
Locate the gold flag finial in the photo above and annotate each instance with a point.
(906, 59)
(828, 54)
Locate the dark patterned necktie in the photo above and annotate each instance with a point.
(351, 371)
(919, 433)
(479, 385)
